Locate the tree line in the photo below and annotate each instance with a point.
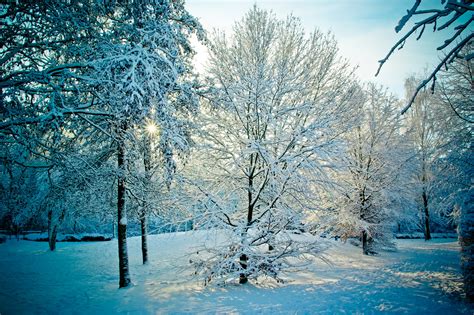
(278, 144)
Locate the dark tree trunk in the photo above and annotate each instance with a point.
(144, 212)
(243, 258)
(122, 214)
(427, 216)
(250, 204)
(143, 222)
(367, 244)
(52, 231)
(243, 262)
(52, 239)
(53, 228)
(365, 247)
(113, 228)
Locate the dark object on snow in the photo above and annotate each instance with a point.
(409, 236)
(3, 239)
(87, 238)
(72, 238)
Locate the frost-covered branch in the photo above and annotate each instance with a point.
(453, 11)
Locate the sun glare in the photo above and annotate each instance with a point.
(151, 128)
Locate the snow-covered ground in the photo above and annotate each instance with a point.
(82, 278)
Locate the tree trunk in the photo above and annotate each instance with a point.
(367, 244)
(52, 231)
(243, 258)
(243, 262)
(143, 222)
(122, 214)
(52, 238)
(113, 228)
(427, 216)
(53, 226)
(144, 212)
(365, 249)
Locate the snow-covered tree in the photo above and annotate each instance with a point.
(457, 95)
(429, 133)
(279, 100)
(455, 18)
(22, 192)
(372, 192)
(144, 63)
(97, 65)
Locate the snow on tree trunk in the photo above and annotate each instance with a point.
(53, 224)
(466, 240)
(243, 260)
(122, 215)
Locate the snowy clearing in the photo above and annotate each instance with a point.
(82, 278)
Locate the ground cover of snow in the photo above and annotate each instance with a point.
(82, 278)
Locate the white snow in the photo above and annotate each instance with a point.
(123, 221)
(420, 278)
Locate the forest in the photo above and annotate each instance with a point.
(275, 156)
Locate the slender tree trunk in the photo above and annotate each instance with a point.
(367, 244)
(52, 238)
(52, 231)
(113, 228)
(122, 213)
(53, 226)
(243, 258)
(427, 216)
(144, 212)
(243, 262)
(365, 247)
(364, 237)
(143, 222)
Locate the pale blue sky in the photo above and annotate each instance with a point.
(364, 30)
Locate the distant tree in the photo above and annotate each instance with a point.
(278, 103)
(455, 16)
(372, 190)
(147, 176)
(426, 134)
(22, 192)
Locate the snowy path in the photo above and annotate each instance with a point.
(81, 278)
